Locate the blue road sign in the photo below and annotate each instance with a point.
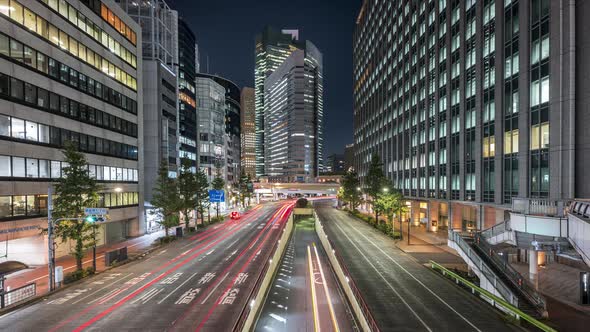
(216, 196)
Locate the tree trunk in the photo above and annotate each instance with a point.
(79, 253)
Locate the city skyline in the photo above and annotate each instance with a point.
(328, 27)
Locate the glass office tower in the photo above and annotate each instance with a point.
(471, 104)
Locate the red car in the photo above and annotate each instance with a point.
(234, 215)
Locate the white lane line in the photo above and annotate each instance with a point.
(418, 281)
(213, 290)
(330, 305)
(314, 304)
(98, 290)
(175, 289)
(144, 295)
(148, 298)
(383, 277)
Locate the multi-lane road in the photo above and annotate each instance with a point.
(198, 283)
(402, 294)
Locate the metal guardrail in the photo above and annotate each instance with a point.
(525, 288)
(14, 296)
(496, 229)
(355, 291)
(496, 301)
(547, 207)
(502, 288)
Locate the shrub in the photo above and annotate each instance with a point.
(76, 275)
(167, 239)
(217, 219)
(301, 203)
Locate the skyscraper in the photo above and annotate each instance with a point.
(67, 75)
(248, 132)
(160, 114)
(469, 106)
(293, 114)
(272, 48)
(187, 68)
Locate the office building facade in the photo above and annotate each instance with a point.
(248, 132)
(294, 118)
(335, 163)
(210, 97)
(272, 48)
(67, 74)
(471, 104)
(160, 92)
(187, 68)
(232, 137)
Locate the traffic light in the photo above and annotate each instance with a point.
(91, 219)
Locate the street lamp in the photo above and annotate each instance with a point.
(118, 189)
(358, 188)
(385, 190)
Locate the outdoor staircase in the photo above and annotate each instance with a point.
(496, 275)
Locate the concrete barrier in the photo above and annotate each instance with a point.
(366, 324)
(258, 300)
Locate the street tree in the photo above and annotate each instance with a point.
(351, 188)
(243, 186)
(218, 183)
(202, 194)
(75, 190)
(187, 188)
(376, 182)
(166, 199)
(399, 208)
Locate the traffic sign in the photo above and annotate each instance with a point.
(216, 196)
(96, 211)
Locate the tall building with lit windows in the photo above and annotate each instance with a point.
(248, 132)
(160, 71)
(272, 48)
(187, 68)
(70, 71)
(471, 104)
(293, 129)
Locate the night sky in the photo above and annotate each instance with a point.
(225, 31)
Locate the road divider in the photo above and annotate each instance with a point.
(359, 307)
(249, 314)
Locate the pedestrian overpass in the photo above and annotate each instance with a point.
(276, 191)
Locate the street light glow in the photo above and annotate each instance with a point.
(118, 189)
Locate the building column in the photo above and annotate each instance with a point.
(533, 267)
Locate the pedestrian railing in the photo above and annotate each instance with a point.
(497, 229)
(525, 288)
(495, 301)
(482, 266)
(17, 295)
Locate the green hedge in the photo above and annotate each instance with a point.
(384, 227)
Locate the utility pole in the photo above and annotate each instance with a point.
(50, 253)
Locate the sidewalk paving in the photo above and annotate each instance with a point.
(39, 275)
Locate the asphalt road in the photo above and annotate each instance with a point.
(402, 294)
(198, 283)
(305, 295)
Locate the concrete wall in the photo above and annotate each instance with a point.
(548, 226)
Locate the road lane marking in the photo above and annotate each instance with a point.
(98, 290)
(330, 305)
(171, 279)
(316, 323)
(416, 279)
(188, 296)
(175, 289)
(214, 288)
(384, 279)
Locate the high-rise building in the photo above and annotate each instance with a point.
(335, 164)
(231, 139)
(348, 156)
(293, 111)
(187, 68)
(272, 48)
(211, 130)
(160, 115)
(248, 159)
(471, 104)
(67, 74)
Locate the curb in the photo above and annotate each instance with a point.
(44, 296)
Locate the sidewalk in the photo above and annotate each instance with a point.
(425, 246)
(39, 275)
